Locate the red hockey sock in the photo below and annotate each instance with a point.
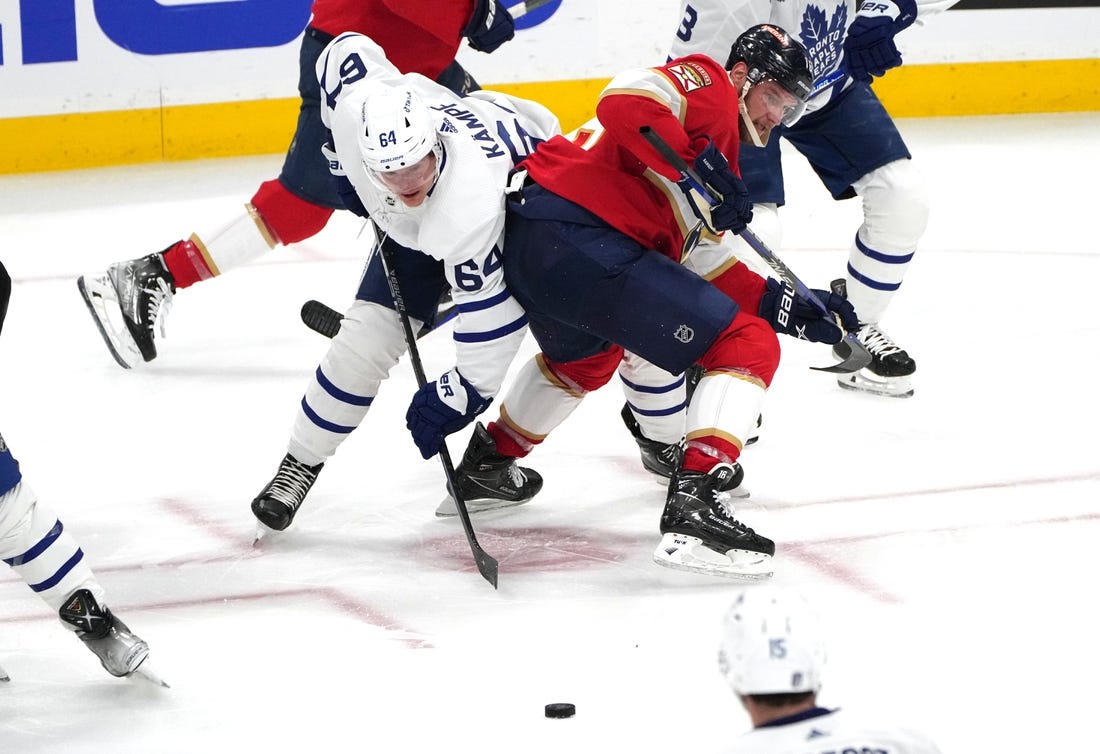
(186, 264)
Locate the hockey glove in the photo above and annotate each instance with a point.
(734, 211)
(869, 45)
(440, 408)
(792, 315)
(490, 26)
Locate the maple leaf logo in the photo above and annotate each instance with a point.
(823, 37)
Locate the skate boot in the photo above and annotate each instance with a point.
(663, 460)
(118, 649)
(126, 303)
(280, 500)
(700, 533)
(891, 367)
(488, 480)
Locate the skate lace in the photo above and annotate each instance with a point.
(516, 475)
(158, 304)
(878, 342)
(291, 484)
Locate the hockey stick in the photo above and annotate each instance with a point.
(522, 9)
(858, 356)
(486, 563)
(324, 320)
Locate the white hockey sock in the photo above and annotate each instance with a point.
(242, 240)
(33, 541)
(537, 403)
(725, 405)
(338, 397)
(658, 399)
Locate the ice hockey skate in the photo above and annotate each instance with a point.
(700, 533)
(891, 368)
(279, 501)
(488, 480)
(663, 460)
(127, 302)
(120, 651)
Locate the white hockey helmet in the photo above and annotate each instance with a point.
(397, 129)
(771, 643)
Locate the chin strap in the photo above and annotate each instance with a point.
(744, 109)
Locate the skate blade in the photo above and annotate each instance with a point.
(684, 553)
(448, 509)
(263, 531)
(146, 674)
(96, 292)
(889, 387)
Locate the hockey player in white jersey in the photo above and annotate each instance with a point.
(772, 655)
(430, 169)
(848, 138)
(33, 541)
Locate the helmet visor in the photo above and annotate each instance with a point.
(783, 106)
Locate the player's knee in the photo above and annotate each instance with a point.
(590, 373)
(895, 201)
(290, 218)
(748, 344)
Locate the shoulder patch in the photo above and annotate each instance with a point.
(690, 76)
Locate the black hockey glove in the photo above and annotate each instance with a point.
(790, 314)
(490, 26)
(869, 45)
(734, 211)
(440, 408)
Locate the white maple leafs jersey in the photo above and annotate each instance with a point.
(461, 222)
(711, 27)
(832, 732)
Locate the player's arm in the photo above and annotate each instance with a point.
(650, 97)
(488, 330)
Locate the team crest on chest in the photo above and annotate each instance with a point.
(690, 76)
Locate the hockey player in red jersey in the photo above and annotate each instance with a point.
(594, 251)
(419, 36)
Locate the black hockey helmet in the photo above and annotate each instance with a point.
(773, 54)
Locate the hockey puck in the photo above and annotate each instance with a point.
(560, 709)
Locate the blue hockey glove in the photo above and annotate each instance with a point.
(869, 45)
(490, 26)
(440, 408)
(792, 315)
(734, 212)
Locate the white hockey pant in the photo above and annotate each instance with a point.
(895, 215)
(369, 344)
(33, 541)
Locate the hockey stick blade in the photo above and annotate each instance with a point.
(324, 320)
(858, 356)
(321, 319)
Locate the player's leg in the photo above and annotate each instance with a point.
(595, 278)
(34, 542)
(369, 343)
(856, 149)
(131, 298)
